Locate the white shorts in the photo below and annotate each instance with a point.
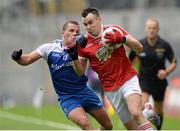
(117, 98)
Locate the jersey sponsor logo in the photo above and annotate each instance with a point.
(160, 52)
(57, 67)
(65, 57)
(54, 54)
(104, 52)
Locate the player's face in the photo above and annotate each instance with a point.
(68, 35)
(151, 29)
(92, 24)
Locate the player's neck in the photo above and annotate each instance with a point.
(152, 41)
(64, 44)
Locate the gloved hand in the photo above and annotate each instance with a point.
(115, 38)
(73, 53)
(16, 55)
(81, 40)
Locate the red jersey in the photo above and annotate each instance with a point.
(113, 72)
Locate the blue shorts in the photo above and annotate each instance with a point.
(85, 98)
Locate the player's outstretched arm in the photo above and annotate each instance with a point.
(133, 44)
(73, 53)
(78, 68)
(25, 59)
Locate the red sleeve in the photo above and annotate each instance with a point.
(80, 52)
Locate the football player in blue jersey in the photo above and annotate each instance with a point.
(74, 96)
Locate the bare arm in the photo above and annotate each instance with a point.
(78, 68)
(27, 59)
(162, 74)
(133, 44)
(171, 67)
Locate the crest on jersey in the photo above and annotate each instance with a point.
(65, 57)
(104, 53)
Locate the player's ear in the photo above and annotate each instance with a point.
(62, 33)
(99, 19)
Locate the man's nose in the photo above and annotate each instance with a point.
(88, 26)
(74, 33)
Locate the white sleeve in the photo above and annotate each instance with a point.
(43, 50)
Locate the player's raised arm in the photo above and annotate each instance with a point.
(134, 44)
(25, 59)
(73, 53)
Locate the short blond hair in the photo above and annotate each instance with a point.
(69, 22)
(154, 20)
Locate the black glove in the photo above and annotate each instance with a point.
(16, 55)
(73, 53)
(81, 40)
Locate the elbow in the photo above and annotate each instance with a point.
(24, 62)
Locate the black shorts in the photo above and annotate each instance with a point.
(154, 87)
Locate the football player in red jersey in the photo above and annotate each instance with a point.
(74, 96)
(119, 79)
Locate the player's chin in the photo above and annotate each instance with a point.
(71, 44)
(92, 32)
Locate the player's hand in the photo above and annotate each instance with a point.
(115, 38)
(16, 55)
(73, 52)
(162, 74)
(81, 40)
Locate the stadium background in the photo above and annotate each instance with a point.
(26, 24)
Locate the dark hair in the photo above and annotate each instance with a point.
(86, 11)
(69, 22)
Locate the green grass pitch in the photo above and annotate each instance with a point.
(52, 118)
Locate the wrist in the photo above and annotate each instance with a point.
(124, 40)
(74, 58)
(121, 40)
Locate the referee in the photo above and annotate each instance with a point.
(153, 71)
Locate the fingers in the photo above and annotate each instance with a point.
(81, 40)
(107, 37)
(108, 34)
(108, 41)
(16, 55)
(20, 51)
(115, 30)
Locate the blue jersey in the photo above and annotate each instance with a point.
(64, 79)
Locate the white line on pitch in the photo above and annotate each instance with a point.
(32, 120)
